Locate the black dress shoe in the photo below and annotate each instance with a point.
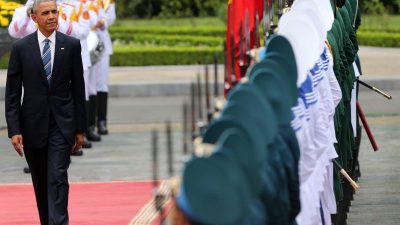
(102, 128)
(27, 170)
(86, 144)
(91, 135)
(77, 153)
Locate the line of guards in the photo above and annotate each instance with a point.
(276, 138)
(88, 21)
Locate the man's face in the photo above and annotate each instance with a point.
(46, 17)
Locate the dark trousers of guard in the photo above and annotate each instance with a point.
(49, 167)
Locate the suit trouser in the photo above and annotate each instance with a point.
(49, 167)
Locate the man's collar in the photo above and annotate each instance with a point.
(41, 37)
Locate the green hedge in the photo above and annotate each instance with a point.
(144, 56)
(168, 40)
(383, 30)
(380, 39)
(215, 31)
(4, 61)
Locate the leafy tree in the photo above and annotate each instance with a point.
(176, 8)
(374, 7)
(187, 8)
(138, 8)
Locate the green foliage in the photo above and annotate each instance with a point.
(380, 39)
(193, 22)
(138, 8)
(373, 7)
(209, 7)
(392, 6)
(162, 55)
(4, 61)
(176, 8)
(198, 31)
(381, 23)
(188, 8)
(167, 40)
(200, 8)
(223, 13)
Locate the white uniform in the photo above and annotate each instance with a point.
(21, 24)
(74, 20)
(328, 199)
(321, 94)
(108, 16)
(95, 70)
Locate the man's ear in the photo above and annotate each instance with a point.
(33, 17)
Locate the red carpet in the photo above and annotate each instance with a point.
(111, 203)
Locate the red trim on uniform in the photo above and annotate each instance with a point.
(69, 31)
(16, 27)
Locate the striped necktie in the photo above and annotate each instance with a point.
(46, 57)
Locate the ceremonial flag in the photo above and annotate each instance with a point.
(241, 29)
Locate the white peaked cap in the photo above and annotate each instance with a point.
(29, 3)
(324, 9)
(305, 39)
(309, 9)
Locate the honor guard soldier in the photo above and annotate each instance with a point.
(21, 24)
(78, 20)
(94, 7)
(102, 78)
(75, 20)
(98, 87)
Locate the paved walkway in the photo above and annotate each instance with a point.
(378, 200)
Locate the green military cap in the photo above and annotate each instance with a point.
(257, 107)
(278, 63)
(340, 20)
(349, 9)
(217, 128)
(241, 148)
(281, 45)
(346, 17)
(291, 70)
(272, 88)
(354, 4)
(251, 121)
(214, 190)
(273, 66)
(340, 3)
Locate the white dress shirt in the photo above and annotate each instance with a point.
(52, 44)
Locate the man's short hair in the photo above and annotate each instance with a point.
(37, 2)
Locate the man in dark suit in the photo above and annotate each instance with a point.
(50, 122)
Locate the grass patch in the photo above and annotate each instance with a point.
(139, 55)
(182, 30)
(166, 23)
(167, 39)
(382, 23)
(380, 39)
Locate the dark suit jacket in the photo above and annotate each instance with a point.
(64, 98)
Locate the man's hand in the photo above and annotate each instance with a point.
(78, 142)
(100, 24)
(16, 141)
